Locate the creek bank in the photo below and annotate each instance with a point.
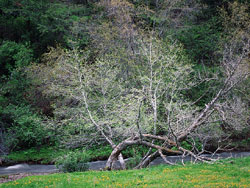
(99, 165)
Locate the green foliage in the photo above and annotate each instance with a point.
(23, 128)
(246, 142)
(213, 7)
(100, 152)
(27, 28)
(81, 1)
(135, 151)
(73, 162)
(40, 23)
(50, 154)
(14, 55)
(41, 155)
(189, 144)
(202, 41)
(203, 92)
(13, 89)
(219, 3)
(133, 161)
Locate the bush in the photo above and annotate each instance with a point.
(73, 162)
(135, 155)
(22, 127)
(14, 55)
(135, 160)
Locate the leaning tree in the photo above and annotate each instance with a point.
(149, 106)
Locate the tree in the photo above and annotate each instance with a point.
(148, 109)
(235, 68)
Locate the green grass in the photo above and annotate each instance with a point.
(44, 155)
(229, 173)
(48, 155)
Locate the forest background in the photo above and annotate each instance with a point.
(84, 77)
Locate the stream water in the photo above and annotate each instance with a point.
(99, 165)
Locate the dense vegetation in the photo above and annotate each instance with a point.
(91, 74)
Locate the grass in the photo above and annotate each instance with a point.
(227, 173)
(48, 155)
(44, 155)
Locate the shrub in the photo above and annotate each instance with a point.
(14, 55)
(73, 162)
(133, 161)
(23, 128)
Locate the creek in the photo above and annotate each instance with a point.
(99, 165)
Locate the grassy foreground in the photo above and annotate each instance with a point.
(227, 173)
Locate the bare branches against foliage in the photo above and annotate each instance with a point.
(234, 64)
(140, 99)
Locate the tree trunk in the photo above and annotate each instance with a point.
(123, 145)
